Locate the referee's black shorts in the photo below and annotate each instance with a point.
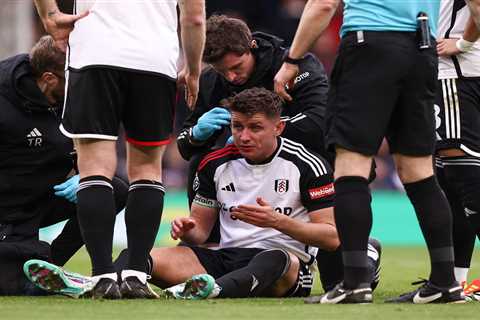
(382, 85)
(98, 99)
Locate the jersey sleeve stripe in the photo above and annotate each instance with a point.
(313, 161)
(217, 152)
(212, 157)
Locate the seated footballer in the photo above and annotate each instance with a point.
(275, 202)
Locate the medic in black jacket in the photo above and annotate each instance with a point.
(304, 115)
(38, 179)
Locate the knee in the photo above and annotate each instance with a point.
(349, 163)
(413, 169)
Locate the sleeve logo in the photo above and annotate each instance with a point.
(321, 192)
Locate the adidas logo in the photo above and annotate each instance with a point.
(34, 133)
(34, 138)
(469, 212)
(229, 187)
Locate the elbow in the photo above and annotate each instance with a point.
(326, 7)
(195, 21)
(332, 244)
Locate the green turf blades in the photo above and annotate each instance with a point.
(54, 279)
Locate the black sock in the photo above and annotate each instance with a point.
(353, 217)
(330, 268)
(121, 263)
(67, 243)
(258, 276)
(96, 217)
(142, 218)
(463, 174)
(435, 219)
(463, 234)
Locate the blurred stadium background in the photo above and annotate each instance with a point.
(395, 221)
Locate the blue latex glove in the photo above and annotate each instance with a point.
(210, 122)
(229, 140)
(68, 189)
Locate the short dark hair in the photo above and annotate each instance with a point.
(45, 56)
(257, 100)
(225, 35)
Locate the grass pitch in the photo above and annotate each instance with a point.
(400, 266)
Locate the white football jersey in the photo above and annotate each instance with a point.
(131, 34)
(454, 15)
(294, 182)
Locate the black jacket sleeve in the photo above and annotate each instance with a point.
(310, 90)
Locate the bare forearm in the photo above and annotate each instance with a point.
(471, 33)
(315, 19)
(320, 235)
(192, 20)
(46, 8)
(474, 6)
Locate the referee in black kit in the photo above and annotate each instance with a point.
(382, 85)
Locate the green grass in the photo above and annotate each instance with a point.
(400, 266)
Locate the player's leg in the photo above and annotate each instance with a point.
(143, 214)
(463, 235)
(96, 210)
(175, 265)
(148, 122)
(241, 273)
(359, 111)
(94, 102)
(412, 138)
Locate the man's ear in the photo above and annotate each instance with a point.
(254, 44)
(279, 127)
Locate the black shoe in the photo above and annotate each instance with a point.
(105, 288)
(430, 293)
(339, 294)
(374, 255)
(133, 288)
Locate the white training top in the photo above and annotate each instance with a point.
(454, 15)
(294, 182)
(132, 34)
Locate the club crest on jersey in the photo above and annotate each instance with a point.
(281, 186)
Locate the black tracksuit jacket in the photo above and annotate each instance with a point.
(309, 97)
(34, 155)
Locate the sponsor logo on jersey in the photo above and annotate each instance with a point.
(281, 186)
(321, 192)
(205, 202)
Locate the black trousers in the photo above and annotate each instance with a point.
(19, 240)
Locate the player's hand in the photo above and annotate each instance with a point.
(447, 47)
(191, 83)
(210, 122)
(263, 215)
(68, 189)
(284, 80)
(180, 226)
(59, 25)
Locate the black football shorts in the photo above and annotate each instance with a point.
(99, 99)
(382, 85)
